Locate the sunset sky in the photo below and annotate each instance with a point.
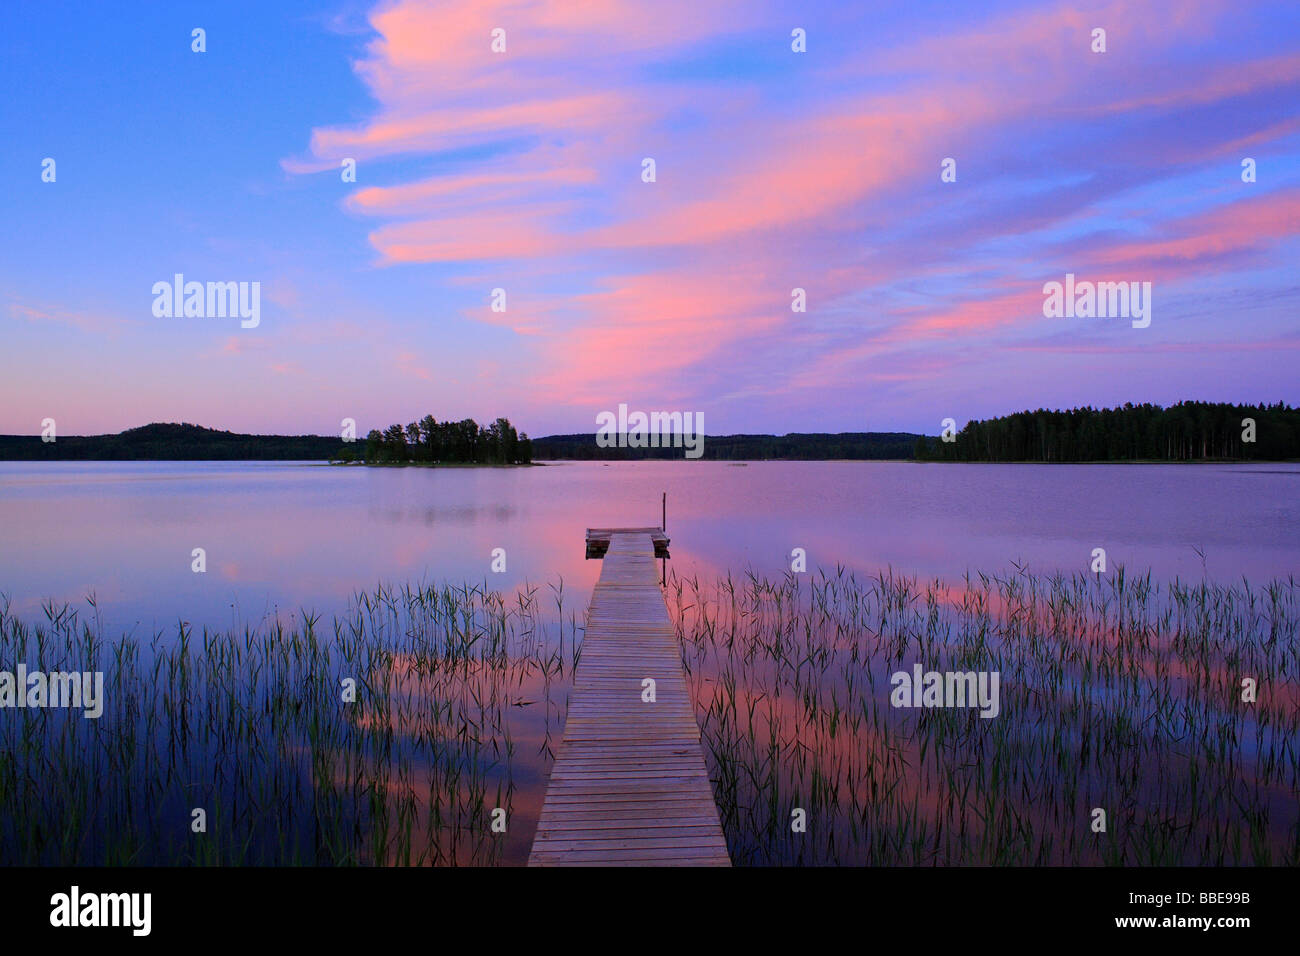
(523, 170)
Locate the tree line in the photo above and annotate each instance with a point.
(463, 442)
(793, 447)
(1188, 431)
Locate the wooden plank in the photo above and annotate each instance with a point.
(599, 539)
(629, 786)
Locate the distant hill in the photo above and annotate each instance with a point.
(171, 442)
(811, 446)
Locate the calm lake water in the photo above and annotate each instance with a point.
(280, 537)
(478, 730)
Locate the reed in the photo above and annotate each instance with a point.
(1116, 692)
(251, 726)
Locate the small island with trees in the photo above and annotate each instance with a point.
(431, 442)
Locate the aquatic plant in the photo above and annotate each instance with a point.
(254, 728)
(1116, 694)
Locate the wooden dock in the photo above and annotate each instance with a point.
(598, 540)
(629, 786)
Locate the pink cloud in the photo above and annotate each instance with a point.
(497, 235)
(750, 186)
(641, 328)
(408, 363)
(429, 194)
(1240, 226)
(85, 321)
(441, 129)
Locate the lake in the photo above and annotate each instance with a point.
(464, 693)
(280, 537)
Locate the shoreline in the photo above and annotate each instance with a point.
(427, 464)
(611, 461)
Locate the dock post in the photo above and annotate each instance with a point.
(663, 526)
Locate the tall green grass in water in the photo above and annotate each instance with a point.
(1116, 693)
(252, 728)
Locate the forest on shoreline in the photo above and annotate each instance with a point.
(1186, 432)
(859, 446)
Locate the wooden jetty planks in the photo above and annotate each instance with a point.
(629, 786)
(598, 540)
